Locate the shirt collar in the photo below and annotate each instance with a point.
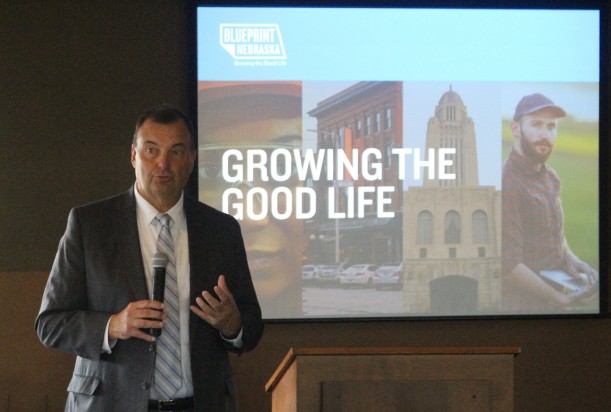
(528, 167)
(148, 211)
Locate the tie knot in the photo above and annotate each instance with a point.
(164, 219)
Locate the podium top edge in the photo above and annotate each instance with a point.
(293, 353)
(414, 350)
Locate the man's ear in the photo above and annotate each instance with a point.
(193, 160)
(516, 129)
(133, 156)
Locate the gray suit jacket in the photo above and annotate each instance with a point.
(98, 271)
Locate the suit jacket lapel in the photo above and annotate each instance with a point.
(196, 227)
(130, 259)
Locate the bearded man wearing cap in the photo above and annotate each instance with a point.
(533, 219)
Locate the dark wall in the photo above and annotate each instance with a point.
(74, 76)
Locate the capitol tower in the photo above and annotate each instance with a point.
(451, 127)
(452, 227)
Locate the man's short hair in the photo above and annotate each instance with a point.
(223, 104)
(165, 114)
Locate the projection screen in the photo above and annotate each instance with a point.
(405, 162)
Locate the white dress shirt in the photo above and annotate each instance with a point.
(149, 232)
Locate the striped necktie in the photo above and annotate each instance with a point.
(168, 372)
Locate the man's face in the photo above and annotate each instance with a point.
(274, 247)
(162, 159)
(536, 133)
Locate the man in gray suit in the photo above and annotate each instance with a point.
(97, 304)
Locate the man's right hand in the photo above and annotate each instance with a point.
(136, 316)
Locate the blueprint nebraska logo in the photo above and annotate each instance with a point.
(253, 41)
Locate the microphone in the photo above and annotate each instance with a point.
(160, 262)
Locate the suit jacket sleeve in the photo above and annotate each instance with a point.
(65, 321)
(246, 298)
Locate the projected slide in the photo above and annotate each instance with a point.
(436, 164)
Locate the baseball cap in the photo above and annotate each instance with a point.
(535, 102)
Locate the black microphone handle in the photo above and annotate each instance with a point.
(158, 283)
(158, 294)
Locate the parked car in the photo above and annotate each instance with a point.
(389, 276)
(307, 274)
(327, 275)
(358, 275)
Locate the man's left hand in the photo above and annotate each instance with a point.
(581, 270)
(222, 313)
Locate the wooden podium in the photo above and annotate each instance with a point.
(394, 379)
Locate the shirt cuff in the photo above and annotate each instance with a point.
(108, 343)
(237, 342)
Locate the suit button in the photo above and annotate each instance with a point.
(145, 386)
(151, 348)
